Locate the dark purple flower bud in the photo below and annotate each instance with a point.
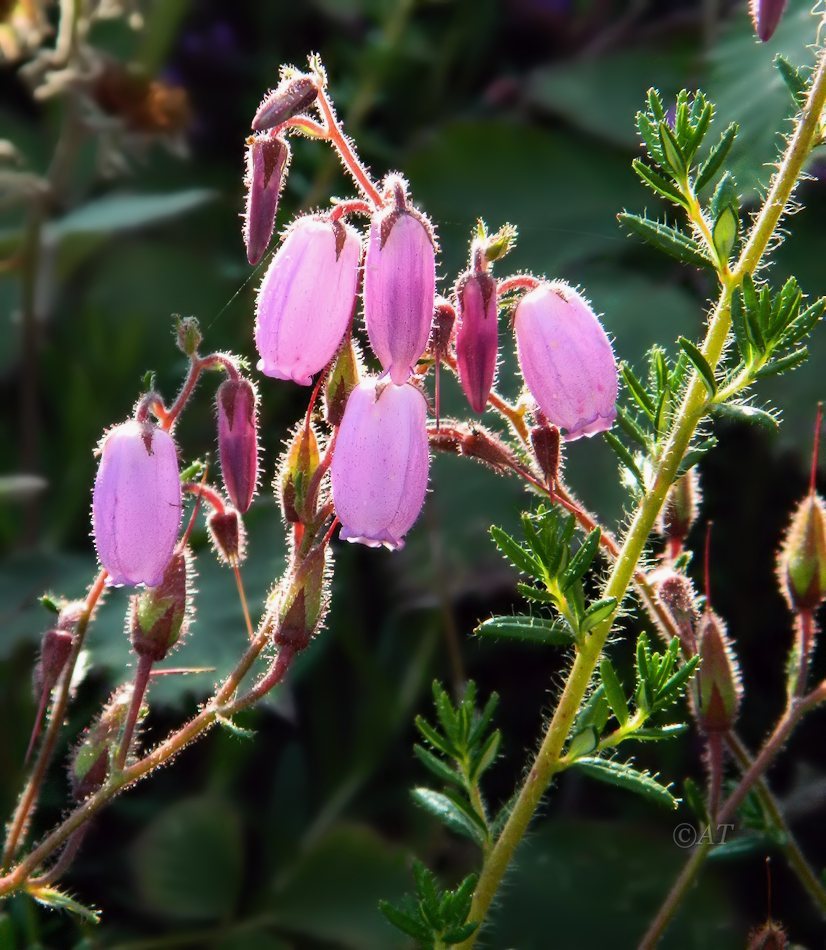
(766, 16)
(679, 511)
(55, 649)
(545, 442)
(306, 299)
(290, 97)
(380, 464)
(267, 163)
(237, 407)
(399, 285)
(566, 359)
(89, 765)
(136, 504)
(226, 530)
(677, 595)
(477, 337)
(159, 616)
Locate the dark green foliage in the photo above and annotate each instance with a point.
(434, 917)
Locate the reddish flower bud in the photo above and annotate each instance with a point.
(399, 285)
(771, 936)
(566, 360)
(679, 511)
(802, 562)
(676, 593)
(380, 464)
(545, 442)
(304, 603)
(717, 689)
(55, 649)
(267, 163)
(341, 380)
(226, 530)
(444, 316)
(136, 505)
(290, 97)
(298, 465)
(766, 16)
(477, 338)
(306, 299)
(159, 616)
(236, 403)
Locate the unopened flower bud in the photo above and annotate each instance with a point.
(483, 445)
(771, 936)
(444, 316)
(477, 336)
(341, 380)
(267, 162)
(399, 284)
(766, 16)
(226, 530)
(679, 511)
(545, 442)
(717, 689)
(306, 298)
(298, 465)
(802, 561)
(566, 359)
(136, 505)
(236, 404)
(290, 97)
(188, 335)
(158, 616)
(676, 594)
(55, 650)
(304, 604)
(90, 761)
(380, 464)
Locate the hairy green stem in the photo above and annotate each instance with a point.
(546, 762)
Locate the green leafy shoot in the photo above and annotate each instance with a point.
(434, 916)
(458, 749)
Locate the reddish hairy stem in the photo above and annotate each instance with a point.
(28, 800)
(354, 206)
(517, 282)
(139, 688)
(209, 495)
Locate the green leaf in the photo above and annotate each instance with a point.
(583, 743)
(671, 151)
(233, 727)
(637, 390)
(739, 413)
(672, 687)
(54, 899)
(406, 922)
(614, 692)
(439, 768)
(716, 157)
(463, 821)
(442, 743)
(528, 628)
(631, 428)
(700, 363)
(696, 454)
(783, 364)
(598, 611)
(625, 776)
(486, 756)
(695, 799)
(659, 733)
(658, 183)
(176, 857)
(115, 212)
(521, 559)
(625, 458)
(796, 82)
(594, 713)
(666, 239)
(536, 593)
(582, 560)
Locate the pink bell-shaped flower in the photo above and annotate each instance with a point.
(238, 440)
(267, 162)
(566, 359)
(380, 463)
(136, 504)
(399, 284)
(306, 299)
(477, 337)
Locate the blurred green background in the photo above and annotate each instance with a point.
(520, 111)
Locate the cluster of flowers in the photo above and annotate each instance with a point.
(306, 308)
